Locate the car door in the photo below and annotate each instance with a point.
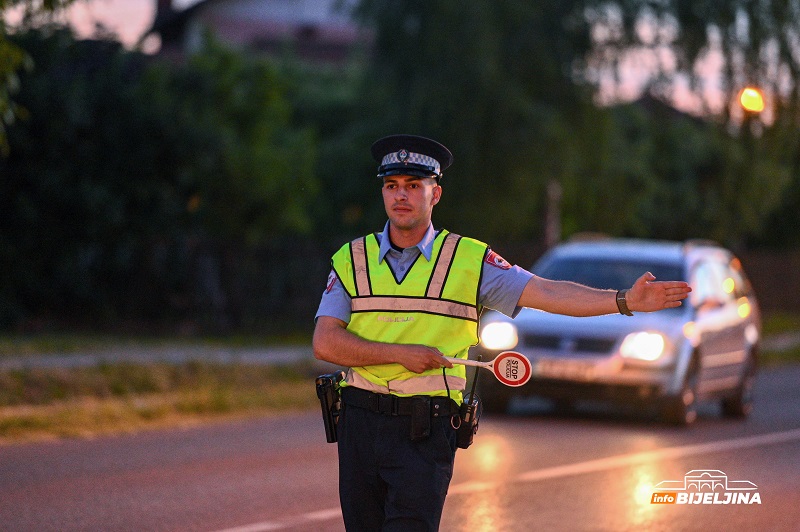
(719, 325)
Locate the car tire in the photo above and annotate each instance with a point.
(741, 403)
(681, 409)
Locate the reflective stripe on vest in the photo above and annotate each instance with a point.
(414, 304)
(413, 386)
(436, 284)
(358, 249)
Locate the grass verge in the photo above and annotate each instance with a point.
(80, 402)
(776, 325)
(40, 404)
(784, 356)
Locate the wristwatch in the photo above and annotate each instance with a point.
(622, 304)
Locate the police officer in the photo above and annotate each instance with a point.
(397, 306)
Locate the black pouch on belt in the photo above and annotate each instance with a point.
(420, 418)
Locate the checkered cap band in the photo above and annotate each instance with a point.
(411, 158)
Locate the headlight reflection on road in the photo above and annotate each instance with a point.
(491, 457)
(643, 478)
(486, 514)
(490, 462)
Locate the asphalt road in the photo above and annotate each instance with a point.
(528, 471)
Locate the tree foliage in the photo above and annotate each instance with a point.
(140, 189)
(122, 165)
(755, 42)
(491, 79)
(510, 87)
(255, 177)
(13, 58)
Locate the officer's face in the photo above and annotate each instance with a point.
(409, 200)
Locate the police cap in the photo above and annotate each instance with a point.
(411, 155)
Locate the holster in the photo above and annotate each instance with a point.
(330, 401)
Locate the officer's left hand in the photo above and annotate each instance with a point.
(647, 294)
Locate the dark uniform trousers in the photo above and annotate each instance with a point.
(388, 482)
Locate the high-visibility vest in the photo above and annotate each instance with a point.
(436, 304)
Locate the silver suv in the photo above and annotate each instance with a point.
(671, 359)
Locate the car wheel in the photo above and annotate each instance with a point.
(741, 404)
(682, 409)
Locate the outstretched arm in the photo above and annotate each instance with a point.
(334, 343)
(572, 299)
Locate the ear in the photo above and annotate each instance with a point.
(437, 194)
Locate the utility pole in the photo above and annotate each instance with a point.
(552, 221)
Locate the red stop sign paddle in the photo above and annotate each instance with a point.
(510, 368)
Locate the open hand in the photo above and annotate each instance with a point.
(647, 294)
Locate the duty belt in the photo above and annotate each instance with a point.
(392, 405)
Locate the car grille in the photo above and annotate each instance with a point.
(542, 342)
(576, 345)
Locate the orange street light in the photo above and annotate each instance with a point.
(752, 100)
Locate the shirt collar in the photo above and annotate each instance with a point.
(425, 245)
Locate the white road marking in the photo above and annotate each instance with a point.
(289, 522)
(580, 468)
(612, 462)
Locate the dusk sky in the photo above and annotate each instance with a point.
(128, 19)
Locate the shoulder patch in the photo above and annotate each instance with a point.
(497, 261)
(331, 281)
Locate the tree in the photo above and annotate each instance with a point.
(492, 81)
(509, 86)
(88, 192)
(125, 168)
(751, 42)
(12, 58)
(255, 180)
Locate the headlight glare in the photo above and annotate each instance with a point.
(647, 346)
(499, 335)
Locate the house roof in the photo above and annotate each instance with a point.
(171, 24)
(273, 21)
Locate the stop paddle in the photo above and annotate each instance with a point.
(510, 368)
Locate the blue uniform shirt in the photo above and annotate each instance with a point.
(500, 288)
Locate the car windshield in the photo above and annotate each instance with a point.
(607, 273)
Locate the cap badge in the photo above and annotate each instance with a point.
(402, 156)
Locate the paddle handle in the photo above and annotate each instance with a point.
(468, 362)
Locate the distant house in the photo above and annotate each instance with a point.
(315, 30)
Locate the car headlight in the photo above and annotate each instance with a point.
(647, 346)
(499, 335)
